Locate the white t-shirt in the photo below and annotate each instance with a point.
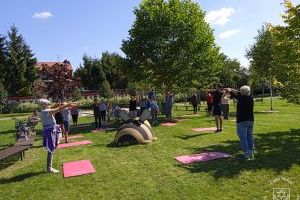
(66, 114)
(47, 118)
(225, 99)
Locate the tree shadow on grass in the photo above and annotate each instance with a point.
(82, 128)
(277, 151)
(9, 161)
(7, 132)
(187, 137)
(21, 177)
(88, 127)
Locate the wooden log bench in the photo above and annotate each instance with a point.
(18, 148)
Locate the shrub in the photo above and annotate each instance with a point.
(124, 102)
(85, 104)
(9, 107)
(26, 107)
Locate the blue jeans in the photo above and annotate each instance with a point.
(169, 113)
(245, 133)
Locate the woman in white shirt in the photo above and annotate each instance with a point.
(51, 130)
(225, 104)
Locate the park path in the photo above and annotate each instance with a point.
(12, 118)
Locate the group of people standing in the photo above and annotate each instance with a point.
(57, 119)
(100, 111)
(222, 100)
(63, 118)
(218, 102)
(144, 103)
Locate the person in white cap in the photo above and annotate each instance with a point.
(51, 129)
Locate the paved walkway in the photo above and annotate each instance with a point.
(12, 118)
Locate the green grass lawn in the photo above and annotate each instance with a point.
(150, 171)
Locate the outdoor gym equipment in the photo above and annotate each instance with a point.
(22, 129)
(134, 131)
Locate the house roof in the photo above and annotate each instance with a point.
(40, 65)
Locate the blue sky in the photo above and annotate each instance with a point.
(66, 29)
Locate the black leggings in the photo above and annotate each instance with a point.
(195, 109)
(103, 115)
(97, 121)
(74, 118)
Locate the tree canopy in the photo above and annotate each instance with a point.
(287, 52)
(276, 53)
(170, 45)
(103, 73)
(60, 83)
(90, 73)
(17, 64)
(232, 74)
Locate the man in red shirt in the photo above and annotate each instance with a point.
(209, 101)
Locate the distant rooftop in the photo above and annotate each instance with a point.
(41, 65)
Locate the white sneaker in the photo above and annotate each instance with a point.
(52, 170)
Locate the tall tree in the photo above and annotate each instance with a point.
(91, 73)
(112, 64)
(276, 53)
(3, 57)
(3, 95)
(60, 83)
(287, 52)
(261, 54)
(20, 69)
(39, 89)
(230, 74)
(170, 45)
(105, 90)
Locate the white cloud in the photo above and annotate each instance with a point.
(219, 17)
(42, 15)
(244, 63)
(229, 33)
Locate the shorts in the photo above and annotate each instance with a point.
(217, 111)
(67, 126)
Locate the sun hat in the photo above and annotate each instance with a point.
(44, 101)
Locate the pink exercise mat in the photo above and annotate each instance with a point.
(78, 168)
(204, 129)
(201, 157)
(71, 144)
(168, 124)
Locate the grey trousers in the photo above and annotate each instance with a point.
(49, 160)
